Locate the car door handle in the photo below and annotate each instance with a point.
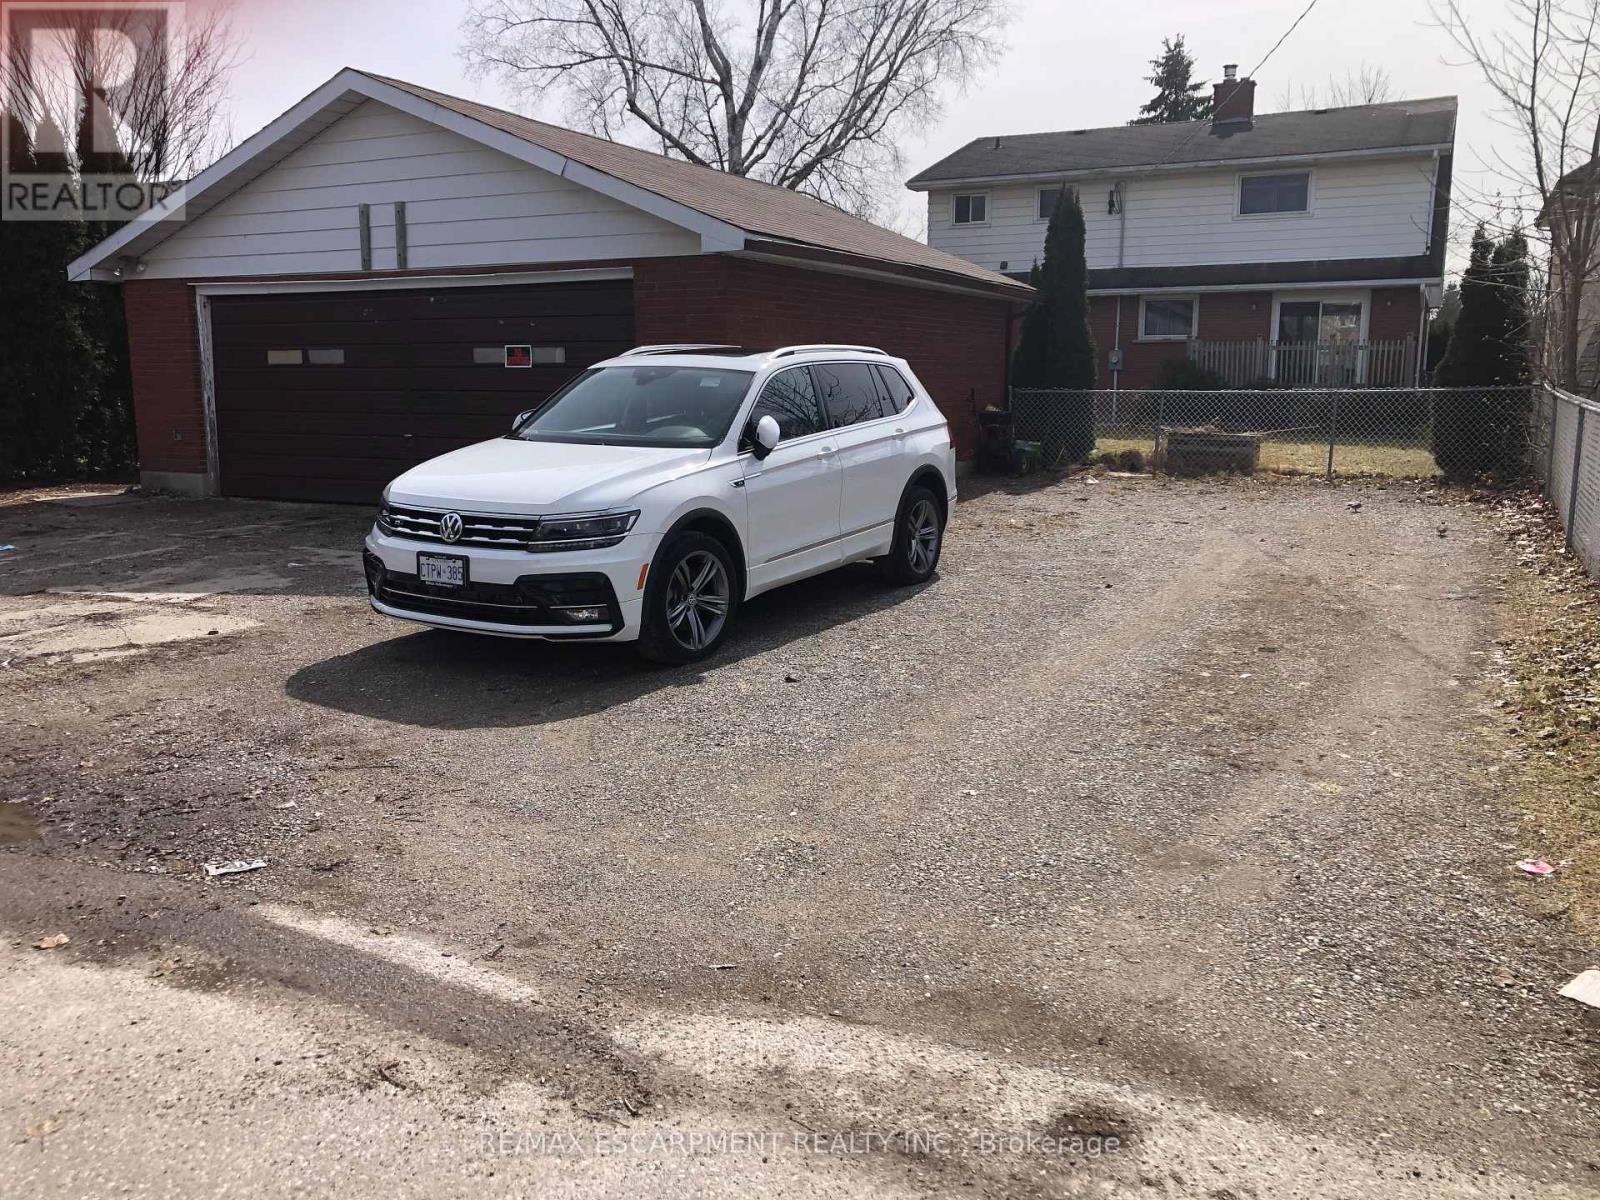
(824, 451)
(898, 432)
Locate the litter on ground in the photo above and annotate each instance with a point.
(235, 868)
(1584, 987)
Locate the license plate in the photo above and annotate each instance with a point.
(444, 570)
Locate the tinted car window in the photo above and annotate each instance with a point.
(850, 392)
(790, 399)
(895, 387)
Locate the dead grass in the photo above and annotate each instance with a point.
(1549, 626)
(1408, 462)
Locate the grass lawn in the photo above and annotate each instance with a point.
(1349, 458)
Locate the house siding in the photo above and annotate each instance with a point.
(466, 205)
(1375, 208)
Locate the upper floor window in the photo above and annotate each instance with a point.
(971, 209)
(1049, 197)
(1280, 193)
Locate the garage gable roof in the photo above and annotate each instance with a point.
(727, 211)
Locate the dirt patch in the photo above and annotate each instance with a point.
(87, 630)
(18, 823)
(1549, 624)
(1093, 1119)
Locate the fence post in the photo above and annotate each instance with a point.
(1333, 428)
(1577, 463)
(1550, 439)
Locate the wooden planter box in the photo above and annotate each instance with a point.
(1205, 450)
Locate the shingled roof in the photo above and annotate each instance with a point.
(749, 204)
(1405, 124)
(736, 214)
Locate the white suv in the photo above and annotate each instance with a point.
(658, 490)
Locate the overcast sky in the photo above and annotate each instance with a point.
(1069, 66)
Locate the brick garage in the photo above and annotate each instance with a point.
(321, 307)
(955, 341)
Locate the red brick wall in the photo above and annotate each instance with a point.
(1396, 313)
(956, 344)
(164, 353)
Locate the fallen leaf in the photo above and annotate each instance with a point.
(51, 942)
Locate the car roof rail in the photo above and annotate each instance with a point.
(827, 346)
(677, 348)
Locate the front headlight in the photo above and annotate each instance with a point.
(582, 531)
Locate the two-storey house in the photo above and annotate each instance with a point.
(1298, 248)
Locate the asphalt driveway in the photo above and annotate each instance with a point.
(1157, 843)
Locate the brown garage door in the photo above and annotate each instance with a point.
(328, 396)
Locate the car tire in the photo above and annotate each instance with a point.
(918, 538)
(690, 599)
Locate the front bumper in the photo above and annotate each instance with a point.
(513, 593)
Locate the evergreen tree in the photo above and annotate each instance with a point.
(107, 442)
(1481, 431)
(1178, 97)
(1055, 349)
(50, 360)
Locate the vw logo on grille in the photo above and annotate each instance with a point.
(450, 527)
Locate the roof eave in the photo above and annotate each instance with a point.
(824, 259)
(925, 183)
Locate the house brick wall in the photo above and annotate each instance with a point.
(955, 343)
(164, 355)
(1396, 313)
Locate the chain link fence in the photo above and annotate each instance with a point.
(1567, 460)
(1335, 431)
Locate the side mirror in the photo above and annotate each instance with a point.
(764, 437)
(516, 421)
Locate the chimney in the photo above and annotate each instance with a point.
(1233, 100)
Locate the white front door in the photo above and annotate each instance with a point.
(792, 495)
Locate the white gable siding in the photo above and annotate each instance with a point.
(1379, 208)
(466, 205)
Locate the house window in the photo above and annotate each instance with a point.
(971, 209)
(326, 356)
(1048, 199)
(1167, 318)
(1284, 193)
(284, 358)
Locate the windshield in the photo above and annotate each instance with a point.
(649, 405)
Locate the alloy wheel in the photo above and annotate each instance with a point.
(922, 536)
(697, 599)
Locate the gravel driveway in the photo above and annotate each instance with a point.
(1156, 844)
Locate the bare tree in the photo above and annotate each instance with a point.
(109, 97)
(1365, 84)
(806, 94)
(1544, 66)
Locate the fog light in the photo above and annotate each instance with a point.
(583, 616)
